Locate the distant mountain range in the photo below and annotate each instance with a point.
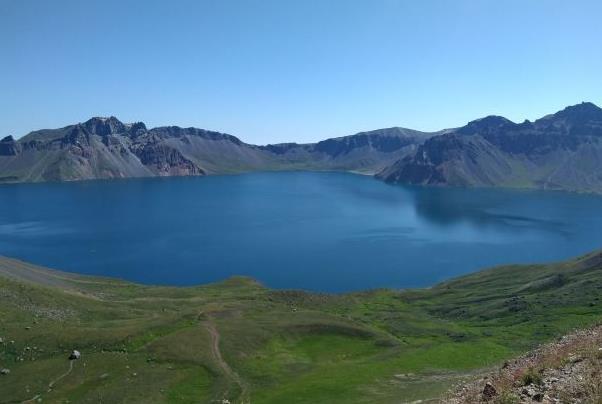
(108, 148)
(558, 151)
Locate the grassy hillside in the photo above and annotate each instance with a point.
(244, 342)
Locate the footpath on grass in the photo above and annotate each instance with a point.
(226, 369)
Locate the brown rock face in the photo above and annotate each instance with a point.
(167, 160)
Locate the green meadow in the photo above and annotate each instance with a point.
(242, 342)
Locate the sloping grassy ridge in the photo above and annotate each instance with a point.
(240, 341)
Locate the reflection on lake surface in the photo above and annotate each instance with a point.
(321, 231)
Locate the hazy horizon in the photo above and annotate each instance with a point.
(269, 72)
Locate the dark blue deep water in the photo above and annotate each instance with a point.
(320, 231)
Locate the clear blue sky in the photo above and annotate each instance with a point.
(276, 70)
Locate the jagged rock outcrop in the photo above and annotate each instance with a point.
(166, 160)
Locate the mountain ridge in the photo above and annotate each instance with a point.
(561, 151)
(105, 147)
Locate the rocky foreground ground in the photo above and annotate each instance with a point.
(568, 370)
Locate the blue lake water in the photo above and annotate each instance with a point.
(318, 231)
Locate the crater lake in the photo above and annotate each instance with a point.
(321, 231)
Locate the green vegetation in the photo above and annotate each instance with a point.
(241, 341)
(532, 376)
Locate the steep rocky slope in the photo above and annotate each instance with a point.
(108, 148)
(568, 370)
(559, 151)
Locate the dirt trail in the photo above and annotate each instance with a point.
(51, 384)
(228, 371)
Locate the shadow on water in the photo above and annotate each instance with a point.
(486, 208)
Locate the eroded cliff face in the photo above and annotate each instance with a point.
(97, 148)
(165, 160)
(9, 147)
(559, 151)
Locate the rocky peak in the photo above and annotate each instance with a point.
(136, 129)
(580, 113)
(580, 119)
(583, 108)
(103, 126)
(489, 124)
(9, 146)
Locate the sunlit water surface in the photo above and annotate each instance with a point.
(319, 231)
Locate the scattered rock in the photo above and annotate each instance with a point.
(75, 355)
(528, 391)
(489, 391)
(567, 367)
(537, 397)
(403, 375)
(4, 371)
